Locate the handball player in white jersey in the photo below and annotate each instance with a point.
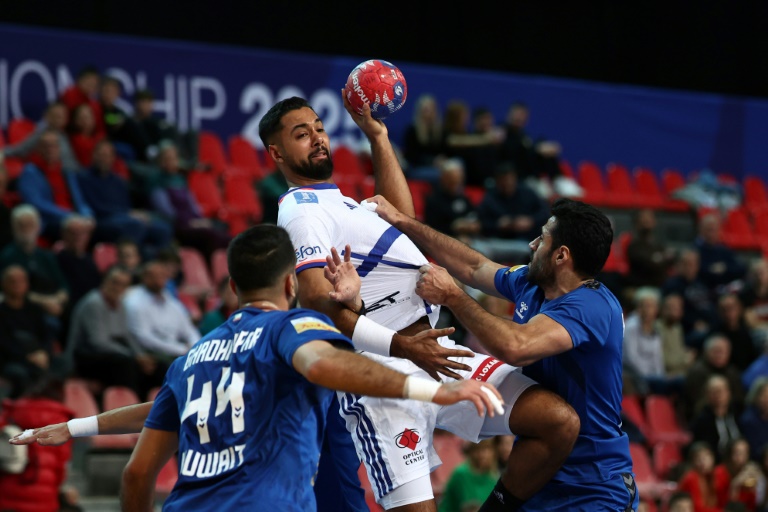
(394, 326)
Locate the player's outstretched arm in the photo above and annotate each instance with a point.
(467, 265)
(123, 420)
(516, 344)
(154, 449)
(325, 365)
(389, 176)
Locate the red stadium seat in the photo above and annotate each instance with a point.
(244, 158)
(79, 398)
(647, 481)
(19, 129)
(197, 280)
(104, 255)
(671, 180)
(419, 191)
(755, 195)
(633, 409)
(666, 455)
(211, 152)
(567, 169)
(347, 162)
(620, 188)
(367, 187)
(192, 305)
(115, 397)
(737, 231)
(219, 268)
(241, 199)
(647, 188)
(475, 194)
(167, 478)
(663, 424)
(205, 187)
(592, 181)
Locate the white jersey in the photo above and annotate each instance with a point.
(318, 217)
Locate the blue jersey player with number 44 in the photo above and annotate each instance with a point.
(246, 407)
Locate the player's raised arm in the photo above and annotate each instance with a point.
(389, 176)
(123, 420)
(324, 364)
(467, 265)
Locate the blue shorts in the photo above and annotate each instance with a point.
(617, 494)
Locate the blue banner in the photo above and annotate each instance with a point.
(227, 90)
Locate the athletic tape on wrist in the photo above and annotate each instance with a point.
(372, 337)
(420, 389)
(84, 427)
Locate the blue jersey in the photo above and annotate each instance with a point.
(250, 426)
(588, 377)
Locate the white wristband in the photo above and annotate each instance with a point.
(84, 427)
(420, 389)
(372, 337)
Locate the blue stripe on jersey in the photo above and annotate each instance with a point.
(363, 441)
(397, 264)
(383, 480)
(383, 244)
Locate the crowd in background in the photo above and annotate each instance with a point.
(696, 320)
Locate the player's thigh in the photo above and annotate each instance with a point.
(538, 411)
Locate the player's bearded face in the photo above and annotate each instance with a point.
(314, 169)
(541, 271)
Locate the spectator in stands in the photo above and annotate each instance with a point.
(129, 258)
(120, 127)
(511, 209)
(158, 321)
(680, 501)
(155, 130)
(6, 233)
(699, 309)
(740, 480)
(757, 369)
(714, 360)
(643, 351)
(85, 90)
(48, 288)
(109, 197)
(170, 257)
(26, 341)
(84, 134)
(473, 480)
(447, 208)
(719, 264)
(101, 344)
(699, 481)
(173, 200)
(649, 260)
(732, 323)
(75, 259)
(754, 296)
(227, 304)
(481, 160)
(460, 142)
(677, 356)
(55, 119)
(423, 141)
(716, 421)
(753, 422)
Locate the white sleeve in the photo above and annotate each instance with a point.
(312, 237)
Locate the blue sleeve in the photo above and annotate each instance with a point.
(35, 190)
(509, 281)
(302, 327)
(77, 195)
(585, 315)
(164, 414)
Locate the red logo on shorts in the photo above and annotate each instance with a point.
(407, 439)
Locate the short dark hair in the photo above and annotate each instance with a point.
(143, 94)
(88, 70)
(586, 231)
(271, 123)
(259, 256)
(679, 496)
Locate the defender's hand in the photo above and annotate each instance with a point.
(51, 435)
(385, 210)
(426, 353)
(485, 396)
(436, 285)
(343, 276)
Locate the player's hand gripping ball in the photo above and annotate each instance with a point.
(378, 83)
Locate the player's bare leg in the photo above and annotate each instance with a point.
(546, 428)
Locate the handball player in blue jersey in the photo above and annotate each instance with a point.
(246, 407)
(566, 333)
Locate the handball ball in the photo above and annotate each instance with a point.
(378, 83)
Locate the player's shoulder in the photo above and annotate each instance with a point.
(596, 295)
(516, 270)
(302, 319)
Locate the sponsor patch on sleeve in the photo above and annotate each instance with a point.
(516, 267)
(309, 323)
(305, 197)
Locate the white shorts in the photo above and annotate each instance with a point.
(393, 437)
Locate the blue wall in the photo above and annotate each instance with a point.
(227, 89)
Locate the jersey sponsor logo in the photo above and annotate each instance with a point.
(305, 197)
(408, 438)
(388, 301)
(486, 369)
(305, 251)
(515, 268)
(309, 323)
(521, 309)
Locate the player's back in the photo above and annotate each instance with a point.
(250, 427)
